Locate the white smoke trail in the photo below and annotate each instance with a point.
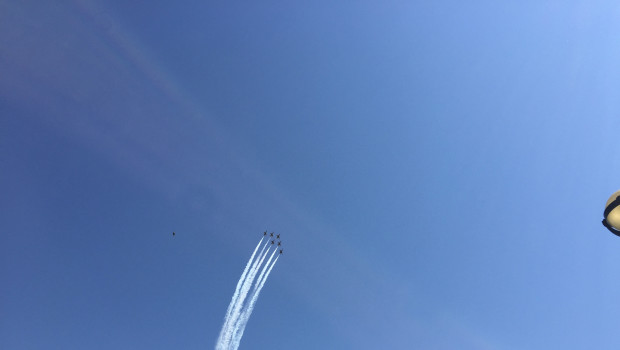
(262, 273)
(245, 288)
(228, 329)
(245, 317)
(239, 283)
(227, 320)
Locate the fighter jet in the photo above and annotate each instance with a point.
(271, 234)
(272, 242)
(265, 233)
(173, 233)
(279, 243)
(278, 236)
(281, 250)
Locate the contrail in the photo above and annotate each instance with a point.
(233, 301)
(262, 273)
(228, 328)
(245, 317)
(245, 288)
(243, 300)
(236, 294)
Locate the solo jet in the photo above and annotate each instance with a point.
(272, 242)
(265, 233)
(271, 234)
(279, 243)
(173, 233)
(281, 250)
(278, 236)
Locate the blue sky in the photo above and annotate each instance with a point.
(437, 171)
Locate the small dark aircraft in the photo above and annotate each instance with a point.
(173, 233)
(281, 250)
(278, 236)
(271, 234)
(272, 242)
(265, 233)
(279, 243)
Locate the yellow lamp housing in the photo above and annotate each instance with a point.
(611, 215)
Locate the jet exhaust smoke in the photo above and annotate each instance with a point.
(238, 288)
(237, 303)
(239, 311)
(245, 317)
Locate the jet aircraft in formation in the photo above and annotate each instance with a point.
(273, 241)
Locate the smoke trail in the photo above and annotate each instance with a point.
(235, 296)
(245, 317)
(246, 286)
(228, 328)
(239, 283)
(262, 273)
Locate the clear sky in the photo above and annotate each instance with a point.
(437, 170)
